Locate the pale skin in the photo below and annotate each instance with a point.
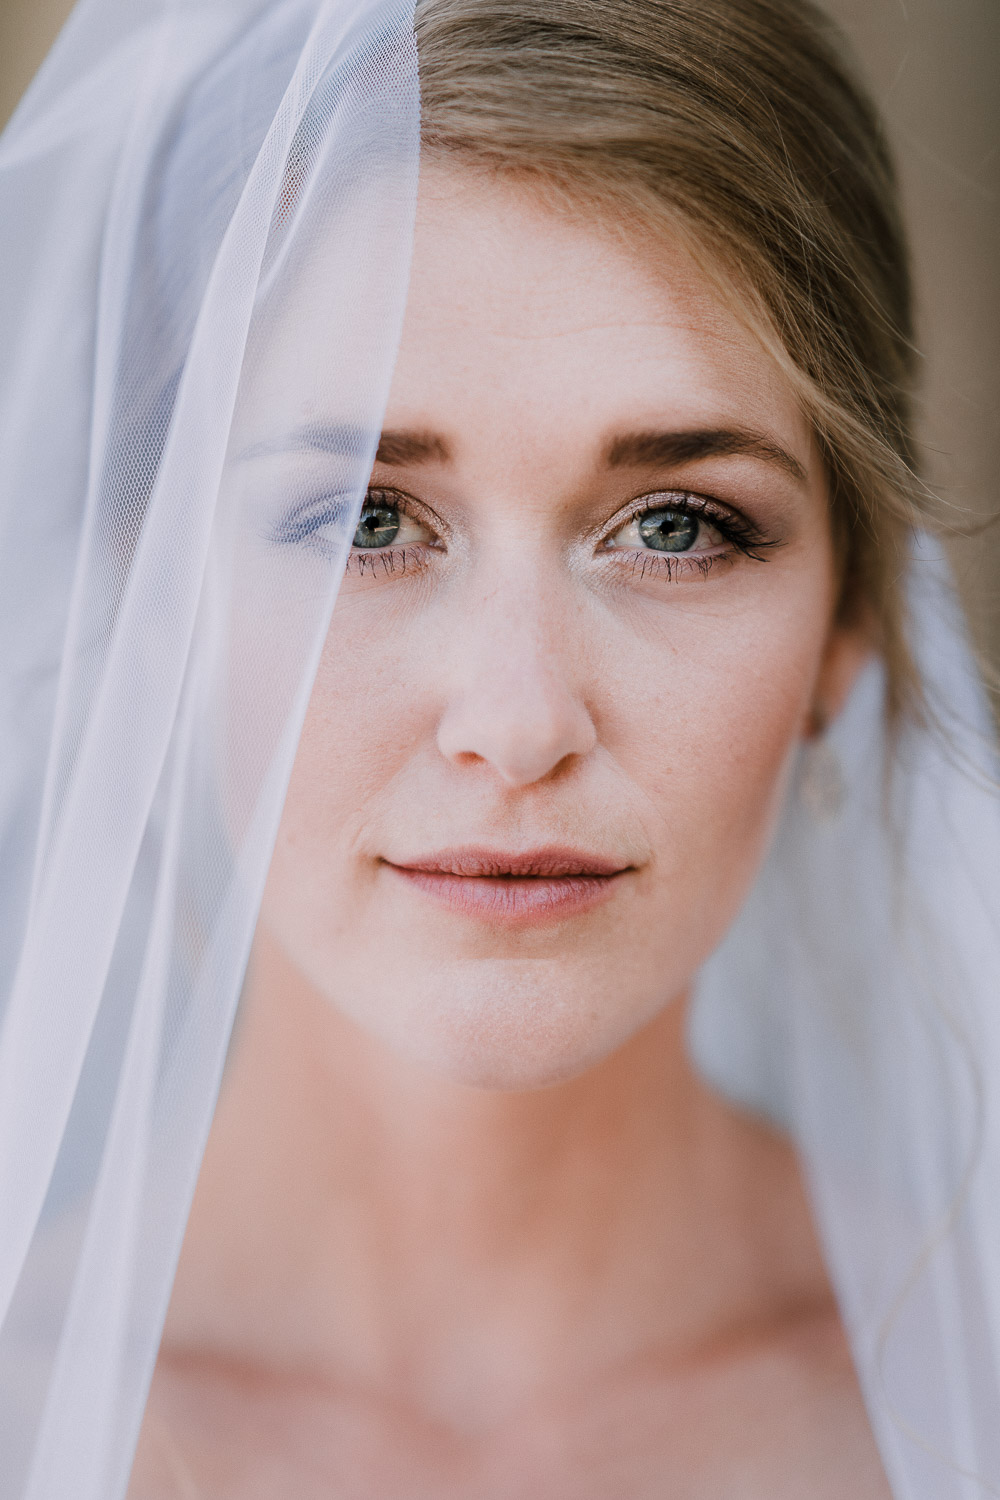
(469, 1223)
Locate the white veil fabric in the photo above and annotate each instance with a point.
(185, 180)
(185, 183)
(856, 1002)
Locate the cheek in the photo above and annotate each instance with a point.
(698, 707)
(706, 724)
(359, 730)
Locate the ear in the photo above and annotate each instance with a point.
(848, 649)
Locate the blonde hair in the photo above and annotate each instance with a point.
(737, 123)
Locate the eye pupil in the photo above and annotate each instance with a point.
(668, 530)
(378, 526)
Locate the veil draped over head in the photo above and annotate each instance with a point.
(188, 186)
(206, 210)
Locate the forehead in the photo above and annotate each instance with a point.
(537, 314)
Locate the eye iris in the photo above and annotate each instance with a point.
(378, 526)
(668, 530)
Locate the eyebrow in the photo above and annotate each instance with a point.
(628, 450)
(403, 448)
(346, 439)
(399, 449)
(645, 449)
(343, 438)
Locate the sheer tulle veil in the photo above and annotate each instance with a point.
(184, 185)
(206, 216)
(855, 1003)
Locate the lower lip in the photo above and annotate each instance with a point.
(513, 901)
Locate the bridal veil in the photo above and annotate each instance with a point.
(205, 215)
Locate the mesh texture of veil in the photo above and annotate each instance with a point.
(206, 211)
(184, 184)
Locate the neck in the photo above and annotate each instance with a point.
(364, 1221)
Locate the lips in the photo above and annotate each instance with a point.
(520, 888)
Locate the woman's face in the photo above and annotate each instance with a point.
(569, 663)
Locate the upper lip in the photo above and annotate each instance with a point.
(550, 862)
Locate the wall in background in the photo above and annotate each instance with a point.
(27, 31)
(934, 66)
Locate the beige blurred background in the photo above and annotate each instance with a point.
(934, 66)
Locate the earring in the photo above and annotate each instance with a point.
(821, 785)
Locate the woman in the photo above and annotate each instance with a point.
(618, 512)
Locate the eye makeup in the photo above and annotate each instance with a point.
(391, 526)
(666, 534)
(736, 528)
(669, 533)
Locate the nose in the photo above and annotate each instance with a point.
(515, 704)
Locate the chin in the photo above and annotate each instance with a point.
(514, 1035)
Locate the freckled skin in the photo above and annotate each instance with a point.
(514, 689)
(468, 1223)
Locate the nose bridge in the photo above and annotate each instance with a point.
(516, 697)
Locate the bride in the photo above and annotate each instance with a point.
(508, 601)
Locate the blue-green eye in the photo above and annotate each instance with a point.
(668, 530)
(378, 526)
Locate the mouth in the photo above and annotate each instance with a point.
(523, 888)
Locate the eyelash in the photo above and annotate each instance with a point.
(740, 533)
(387, 562)
(391, 561)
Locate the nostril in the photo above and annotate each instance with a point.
(522, 737)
